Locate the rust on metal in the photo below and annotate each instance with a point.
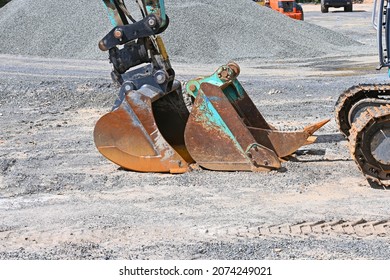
(230, 72)
(227, 132)
(285, 143)
(102, 46)
(131, 137)
(192, 88)
(118, 33)
(215, 135)
(369, 144)
(363, 115)
(350, 97)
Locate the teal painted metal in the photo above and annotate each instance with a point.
(152, 7)
(156, 7)
(233, 91)
(111, 10)
(212, 120)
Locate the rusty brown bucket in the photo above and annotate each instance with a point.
(226, 131)
(145, 132)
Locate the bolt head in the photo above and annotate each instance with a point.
(152, 22)
(118, 33)
(160, 78)
(192, 88)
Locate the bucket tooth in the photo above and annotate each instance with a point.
(285, 143)
(130, 136)
(310, 129)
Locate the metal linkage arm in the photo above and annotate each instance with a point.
(120, 35)
(140, 45)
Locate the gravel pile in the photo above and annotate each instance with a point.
(206, 31)
(216, 31)
(49, 28)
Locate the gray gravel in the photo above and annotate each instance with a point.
(260, 249)
(218, 31)
(53, 29)
(60, 199)
(49, 165)
(201, 31)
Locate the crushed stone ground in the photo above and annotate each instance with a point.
(60, 199)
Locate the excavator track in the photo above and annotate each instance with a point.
(370, 144)
(350, 98)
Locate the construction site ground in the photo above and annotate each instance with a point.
(60, 199)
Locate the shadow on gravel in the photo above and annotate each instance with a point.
(3, 2)
(376, 185)
(311, 152)
(319, 160)
(355, 11)
(314, 152)
(330, 138)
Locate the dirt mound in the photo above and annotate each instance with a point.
(200, 31)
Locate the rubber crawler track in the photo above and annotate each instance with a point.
(352, 95)
(373, 170)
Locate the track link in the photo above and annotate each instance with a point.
(353, 95)
(374, 123)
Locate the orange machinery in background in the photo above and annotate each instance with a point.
(289, 8)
